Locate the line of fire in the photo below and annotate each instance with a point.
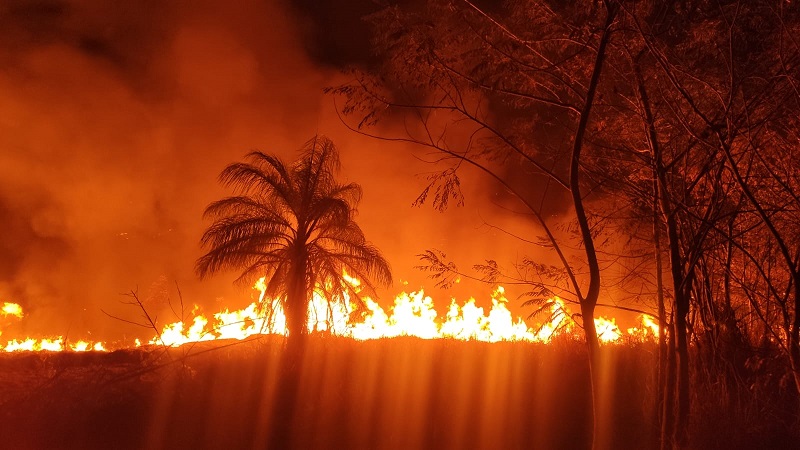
(412, 314)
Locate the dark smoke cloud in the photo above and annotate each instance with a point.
(115, 119)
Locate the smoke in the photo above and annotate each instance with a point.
(115, 120)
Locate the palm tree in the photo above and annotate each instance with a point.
(295, 226)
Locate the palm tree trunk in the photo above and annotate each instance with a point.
(290, 371)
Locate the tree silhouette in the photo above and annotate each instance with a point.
(293, 224)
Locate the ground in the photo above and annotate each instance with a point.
(387, 394)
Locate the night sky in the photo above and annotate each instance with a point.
(115, 121)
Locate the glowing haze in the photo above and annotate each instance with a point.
(115, 119)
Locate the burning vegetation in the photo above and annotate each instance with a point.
(411, 315)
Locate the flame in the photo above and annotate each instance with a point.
(11, 309)
(80, 346)
(30, 344)
(412, 314)
(648, 329)
(607, 330)
(55, 344)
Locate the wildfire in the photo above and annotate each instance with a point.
(607, 330)
(55, 344)
(52, 345)
(412, 314)
(11, 309)
(648, 329)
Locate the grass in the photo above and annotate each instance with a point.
(388, 394)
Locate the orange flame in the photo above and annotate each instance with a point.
(30, 344)
(11, 309)
(648, 329)
(607, 330)
(55, 344)
(412, 314)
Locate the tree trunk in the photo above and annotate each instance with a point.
(673, 428)
(670, 379)
(589, 301)
(682, 353)
(681, 293)
(794, 335)
(593, 350)
(661, 381)
(285, 404)
(681, 289)
(666, 357)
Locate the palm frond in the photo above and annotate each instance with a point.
(248, 178)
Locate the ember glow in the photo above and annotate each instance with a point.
(412, 314)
